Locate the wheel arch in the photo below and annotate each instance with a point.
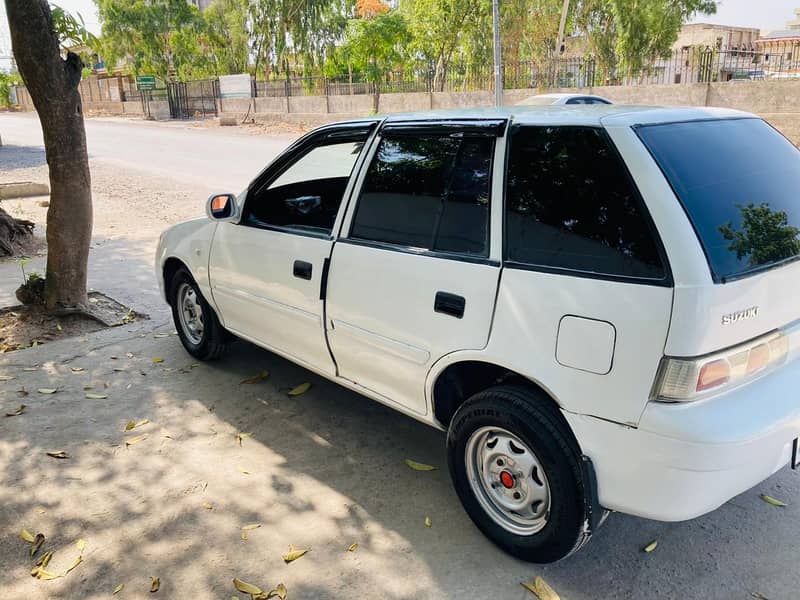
(458, 377)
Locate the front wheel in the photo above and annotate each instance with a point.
(196, 322)
(517, 469)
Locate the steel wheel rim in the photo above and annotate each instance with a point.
(190, 313)
(508, 480)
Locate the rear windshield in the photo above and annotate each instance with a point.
(739, 182)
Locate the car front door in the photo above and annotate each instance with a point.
(414, 275)
(266, 270)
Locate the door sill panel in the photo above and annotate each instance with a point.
(271, 304)
(412, 354)
(288, 356)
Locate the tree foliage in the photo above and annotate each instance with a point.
(159, 37)
(282, 37)
(630, 34)
(765, 235)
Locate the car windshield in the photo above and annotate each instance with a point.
(739, 182)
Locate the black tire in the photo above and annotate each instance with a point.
(214, 338)
(533, 419)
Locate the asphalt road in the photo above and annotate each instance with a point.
(218, 158)
(325, 469)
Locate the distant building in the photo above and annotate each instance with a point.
(718, 37)
(780, 50)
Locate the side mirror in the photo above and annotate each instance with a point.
(221, 207)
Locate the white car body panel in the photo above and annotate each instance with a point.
(652, 459)
(259, 297)
(190, 243)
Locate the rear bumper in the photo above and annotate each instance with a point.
(685, 460)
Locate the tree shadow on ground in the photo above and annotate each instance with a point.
(20, 157)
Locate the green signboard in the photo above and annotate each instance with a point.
(146, 82)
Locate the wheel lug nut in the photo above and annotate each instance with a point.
(516, 496)
(500, 462)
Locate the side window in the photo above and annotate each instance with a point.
(570, 204)
(428, 192)
(306, 195)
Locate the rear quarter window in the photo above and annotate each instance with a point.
(571, 206)
(739, 182)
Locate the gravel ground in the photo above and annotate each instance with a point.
(320, 471)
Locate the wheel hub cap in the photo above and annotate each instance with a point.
(190, 313)
(508, 480)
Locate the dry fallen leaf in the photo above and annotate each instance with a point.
(242, 470)
(251, 526)
(37, 543)
(157, 360)
(17, 412)
(419, 466)
(129, 354)
(40, 573)
(772, 501)
(81, 544)
(541, 590)
(27, 536)
(96, 396)
(47, 390)
(134, 424)
(352, 547)
(293, 554)
(160, 335)
(260, 376)
(74, 564)
(58, 454)
(247, 588)
(118, 589)
(135, 440)
(167, 434)
(241, 435)
(300, 389)
(758, 596)
(76, 369)
(207, 506)
(651, 546)
(428, 522)
(6, 377)
(280, 591)
(244, 536)
(155, 583)
(44, 559)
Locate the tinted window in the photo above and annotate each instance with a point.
(428, 192)
(571, 205)
(738, 181)
(306, 195)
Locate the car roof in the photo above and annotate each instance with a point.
(587, 114)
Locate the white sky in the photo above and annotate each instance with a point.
(767, 15)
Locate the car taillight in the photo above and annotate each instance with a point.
(687, 379)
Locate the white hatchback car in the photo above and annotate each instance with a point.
(566, 99)
(598, 304)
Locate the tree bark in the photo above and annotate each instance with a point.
(52, 82)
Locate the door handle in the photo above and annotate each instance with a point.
(302, 269)
(449, 304)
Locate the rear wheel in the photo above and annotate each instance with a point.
(517, 469)
(196, 322)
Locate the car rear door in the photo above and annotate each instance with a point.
(266, 270)
(414, 275)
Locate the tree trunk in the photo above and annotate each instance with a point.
(52, 82)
